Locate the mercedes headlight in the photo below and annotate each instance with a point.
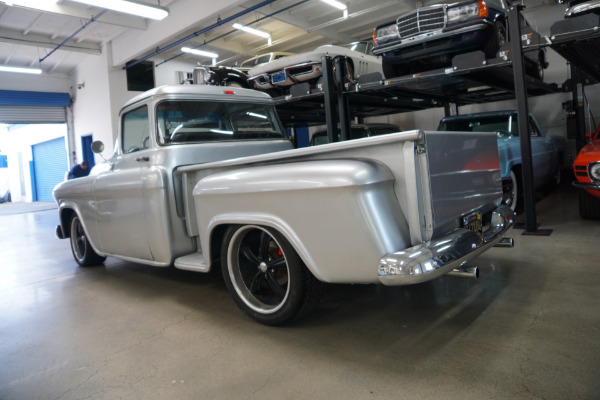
(386, 33)
(594, 170)
(463, 13)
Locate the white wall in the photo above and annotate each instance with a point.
(91, 103)
(35, 83)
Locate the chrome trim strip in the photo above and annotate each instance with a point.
(424, 37)
(437, 257)
(584, 185)
(581, 8)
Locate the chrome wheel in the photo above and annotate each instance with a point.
(78, 239)
(265, 276)
(258, 269)
(82, 250)
(511, 194)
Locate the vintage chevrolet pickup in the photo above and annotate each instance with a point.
(204, 176)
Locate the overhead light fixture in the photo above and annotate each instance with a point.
(19, 70)
(336, 4)
(253, 31)
(199, 52)
(37, 4)
(128, 7)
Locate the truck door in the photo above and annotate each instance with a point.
(122, 218)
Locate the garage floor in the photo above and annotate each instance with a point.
(528, 329)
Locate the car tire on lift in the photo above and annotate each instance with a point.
(392, 70)
(497, 39)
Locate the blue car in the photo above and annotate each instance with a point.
(550, 153)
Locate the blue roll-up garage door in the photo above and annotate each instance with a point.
(20, 107)
(49, 167)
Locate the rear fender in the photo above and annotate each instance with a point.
(339, 215)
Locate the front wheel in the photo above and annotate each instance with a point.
(391, 71)
(511, 192)
(496, 40)
(589, 206)
(82, 250)
(265, 276)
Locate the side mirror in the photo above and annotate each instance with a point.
(97, 147)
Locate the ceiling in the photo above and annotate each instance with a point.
(57, 38)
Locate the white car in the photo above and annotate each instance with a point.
(306, 67)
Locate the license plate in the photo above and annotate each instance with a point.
(278, 77)
(473, 222)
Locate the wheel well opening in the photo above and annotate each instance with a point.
(216, 242)
(65, 218)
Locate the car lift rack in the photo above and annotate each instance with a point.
(470, 80)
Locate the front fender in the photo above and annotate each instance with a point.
(339, 215)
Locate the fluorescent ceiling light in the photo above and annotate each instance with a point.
(199, 52)
(252, 31)
(336, 4)
(128, 7)
(34, 71)
(25, 3)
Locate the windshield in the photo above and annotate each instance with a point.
(506, 125)
(362, 47)
(185, 121)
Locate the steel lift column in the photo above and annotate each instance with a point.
(516, 50)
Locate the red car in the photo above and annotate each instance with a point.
(587, 177)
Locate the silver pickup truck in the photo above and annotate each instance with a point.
(204, 176)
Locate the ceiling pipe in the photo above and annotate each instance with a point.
(234, 31)
(200, 32)
(94, 18)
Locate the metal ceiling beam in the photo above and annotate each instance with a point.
(92, 20)
(81, 11)
(200, 32)
(45, 42)
(303, 23)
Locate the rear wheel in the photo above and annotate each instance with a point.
(265, 276)
(82, 250)
(589, 206)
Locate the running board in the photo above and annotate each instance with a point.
(192, 262)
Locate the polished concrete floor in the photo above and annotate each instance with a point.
(528, 329)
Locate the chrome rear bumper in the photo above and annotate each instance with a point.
(586, 185)
(435, 258)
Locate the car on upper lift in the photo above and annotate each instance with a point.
(587, 177)
(429, 37)
(277, 76)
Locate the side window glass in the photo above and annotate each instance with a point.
(533, 128)
(135, 130)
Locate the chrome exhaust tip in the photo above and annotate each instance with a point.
(505, 242)
(465, 272)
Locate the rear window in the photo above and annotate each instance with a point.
(191, 121)
(506, 125)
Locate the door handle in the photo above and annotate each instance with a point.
(140, 159)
